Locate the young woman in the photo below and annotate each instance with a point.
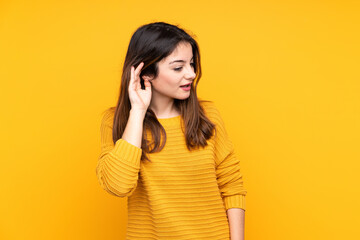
(165, 149)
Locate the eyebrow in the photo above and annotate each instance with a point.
(182, 61)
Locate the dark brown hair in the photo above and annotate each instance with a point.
(150, 44)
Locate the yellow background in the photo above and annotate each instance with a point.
(284, 75)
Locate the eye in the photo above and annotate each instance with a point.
(178, 69)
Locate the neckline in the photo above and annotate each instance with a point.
(169, 117)
(170, 121)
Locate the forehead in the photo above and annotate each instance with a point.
(183, 51)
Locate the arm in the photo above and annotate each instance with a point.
(229, 178)
(134, 127)
(118, 165)
(233, 193)
(236, 217)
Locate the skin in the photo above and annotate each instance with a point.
(236, 217)
(166, 86)
(140, 100)
(159, 95)
(159, 92)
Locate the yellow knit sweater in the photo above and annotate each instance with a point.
(182, 194)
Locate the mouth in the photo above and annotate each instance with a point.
(187, 85)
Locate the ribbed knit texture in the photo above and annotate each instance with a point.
(182, 194)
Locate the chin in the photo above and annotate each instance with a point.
(183, 98)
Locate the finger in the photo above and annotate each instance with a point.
(132, 82)
(136, 79)
(131, 74)
(147, 85)
(138, 69)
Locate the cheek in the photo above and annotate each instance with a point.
(169, 80)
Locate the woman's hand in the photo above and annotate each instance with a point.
(139, 98)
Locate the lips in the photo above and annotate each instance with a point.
(186, 85)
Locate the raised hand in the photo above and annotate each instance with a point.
(139, 98)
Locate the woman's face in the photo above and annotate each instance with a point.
(175, 70)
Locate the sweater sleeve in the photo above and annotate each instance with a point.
(118, 164)
(229, 176)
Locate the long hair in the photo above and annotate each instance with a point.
(150, 44)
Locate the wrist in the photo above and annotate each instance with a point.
(137, 112)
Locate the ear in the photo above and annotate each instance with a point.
(146, 77)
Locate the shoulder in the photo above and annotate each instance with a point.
(107, 118)
(211, 110)
(215, 116)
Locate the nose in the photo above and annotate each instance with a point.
(190, 74)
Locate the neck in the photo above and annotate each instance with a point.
(163, 107)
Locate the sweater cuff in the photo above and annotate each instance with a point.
(127, 151)
(235, 201)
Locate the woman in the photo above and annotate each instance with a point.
(167, 151)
